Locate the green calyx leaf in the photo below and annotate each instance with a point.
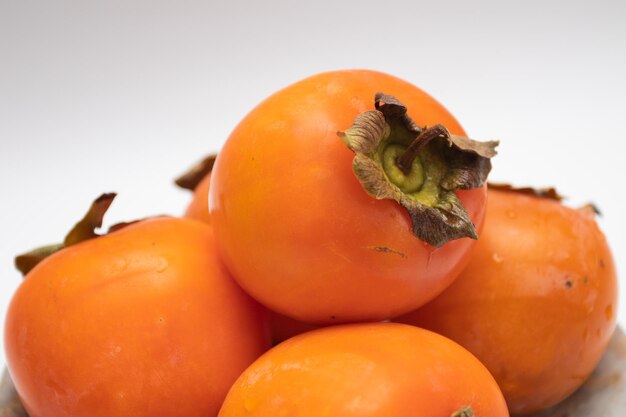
(419, 167)
(85, 229)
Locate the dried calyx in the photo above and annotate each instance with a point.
(419, 167)
(85, 229)
(192, 178)
(549, 193)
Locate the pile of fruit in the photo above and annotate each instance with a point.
(348, 222)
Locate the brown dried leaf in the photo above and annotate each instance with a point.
(466, 164)
(549, 193)
(366, 132)
(85, 229)
(192, 178)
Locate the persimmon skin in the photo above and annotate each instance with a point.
(281, 327)
(198, 208)
(536, 304)
(365, 370)
(142, 322)
(296, 228)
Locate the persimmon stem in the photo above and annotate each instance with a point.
(405, 161)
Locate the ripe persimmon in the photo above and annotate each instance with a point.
(321, 235)
(536, 304)
(366, 370)
(144, 321)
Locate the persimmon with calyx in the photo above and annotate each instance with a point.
(143, 321)
(536, 304)
(361, 225)
(366, 370)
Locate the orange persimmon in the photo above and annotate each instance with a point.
(142, 322)
(536, 304)
(306, 238)
(366, 370)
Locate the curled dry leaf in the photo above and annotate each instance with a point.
(419, 167)
(192, 178)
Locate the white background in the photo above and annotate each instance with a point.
(125, 95)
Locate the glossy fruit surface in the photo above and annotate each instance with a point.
(365, 370)
(142, 322)
(536, 304)
(295, 226)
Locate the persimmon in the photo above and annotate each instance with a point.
(143, 321)
(366, 370)
(330, 204)
(536, 304)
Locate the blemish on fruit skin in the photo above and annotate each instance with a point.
(568, 283)
(586, 279)
(385, 249)
(601, 263)
(608, 311)
(497, 258)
